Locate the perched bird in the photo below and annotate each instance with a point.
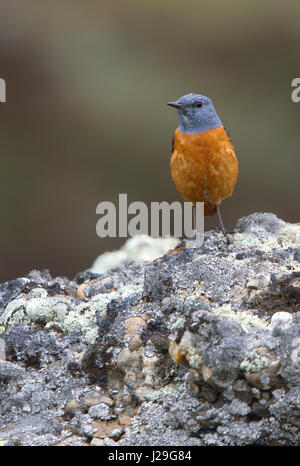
(203, 163)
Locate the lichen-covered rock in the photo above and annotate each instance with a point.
(138, 249)
(200, 346)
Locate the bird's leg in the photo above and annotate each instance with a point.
(220, 221)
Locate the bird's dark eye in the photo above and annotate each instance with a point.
(199, 104)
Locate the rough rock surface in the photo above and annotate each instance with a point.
(198, 347)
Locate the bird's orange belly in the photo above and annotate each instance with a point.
(204, 166)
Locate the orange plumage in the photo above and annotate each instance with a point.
(204, 167)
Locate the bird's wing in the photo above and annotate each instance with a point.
(227, 133)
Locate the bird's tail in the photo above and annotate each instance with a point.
(209, 209)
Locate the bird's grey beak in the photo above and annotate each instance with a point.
(174, 104)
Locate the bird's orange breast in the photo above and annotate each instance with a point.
(204, 166)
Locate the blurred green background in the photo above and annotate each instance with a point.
(86, 115)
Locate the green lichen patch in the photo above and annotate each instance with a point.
(244, 318)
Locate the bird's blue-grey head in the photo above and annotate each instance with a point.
(196, 113)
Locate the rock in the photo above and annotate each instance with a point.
(281, 319)
(33, 348)
(125, 420)
(158, 281)
(296, 255)
(10, 290)
(35, 281)
(288, 284)
(199, 347)
(260, 224)
(138, 249)
(2, 350)
(94, 287)
(10, 372)
(97, 442)
(107, 401)
(91, 399)
(261, 368)
(71, 406)
(116, 434)
(100, 411)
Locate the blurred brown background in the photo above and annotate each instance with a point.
(86, 115)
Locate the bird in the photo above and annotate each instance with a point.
(203, 164)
